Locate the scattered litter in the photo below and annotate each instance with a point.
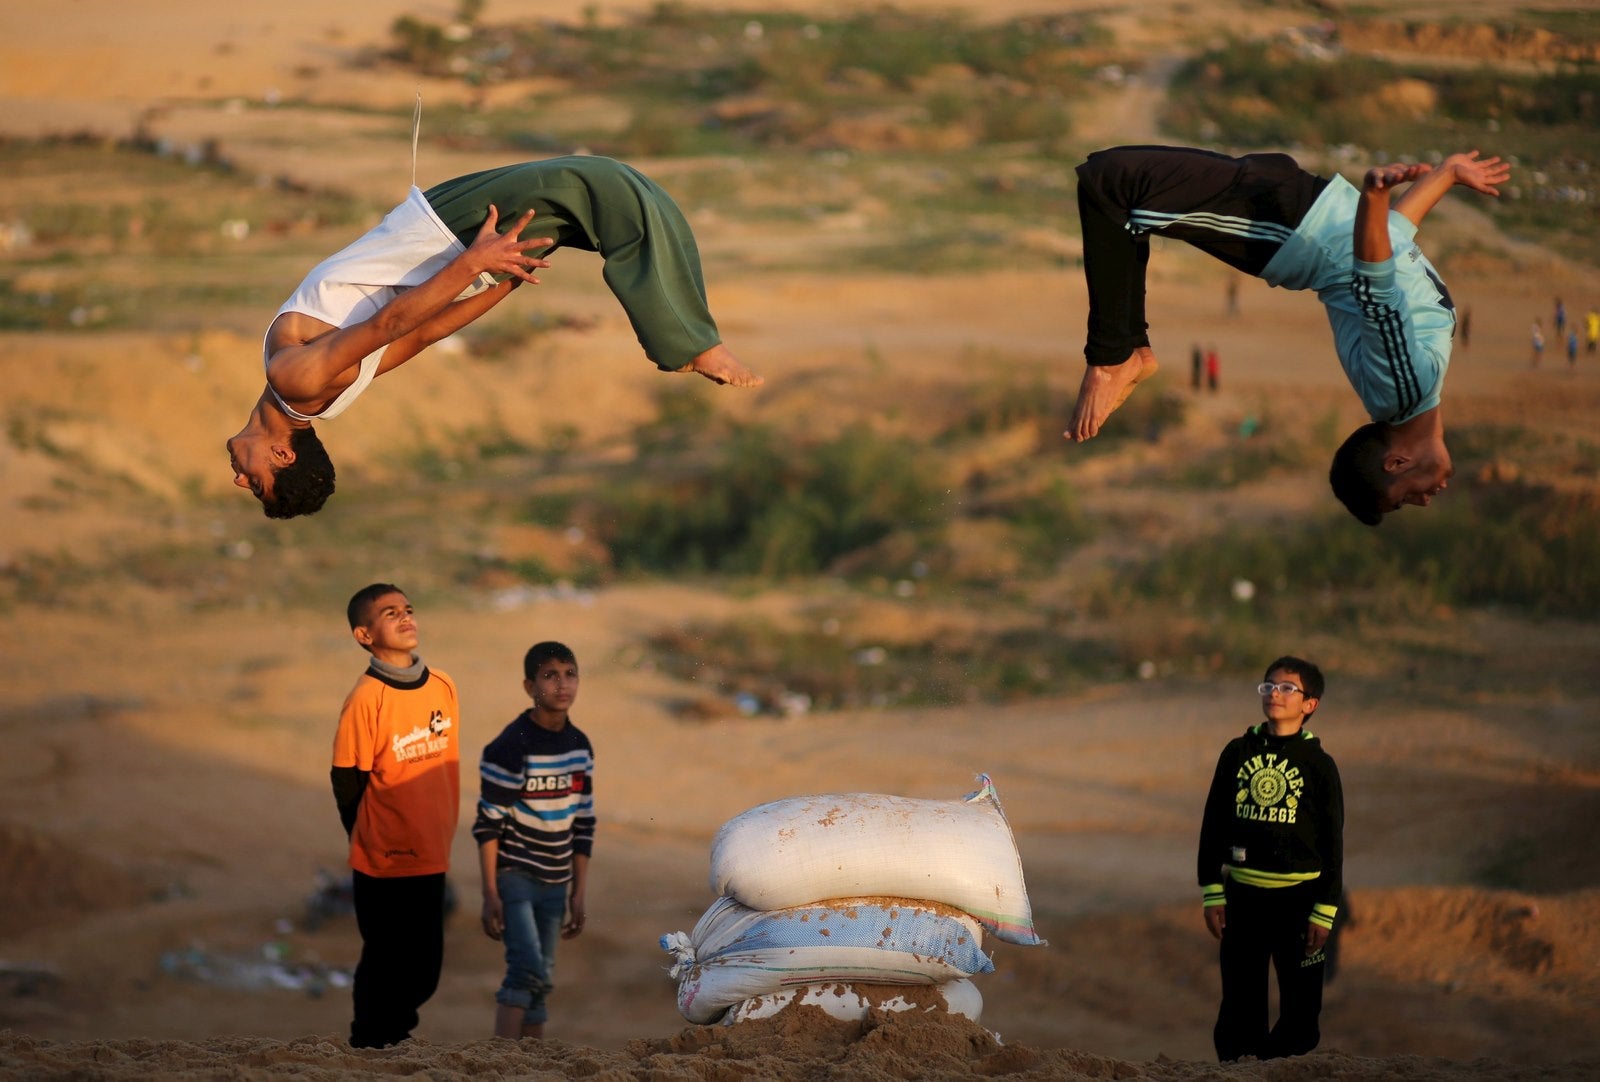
(267, 968)
(331, 897)
(18, 979)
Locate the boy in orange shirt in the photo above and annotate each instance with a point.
(397, 782)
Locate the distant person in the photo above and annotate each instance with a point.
(1464, 326)
(1271, 864)
(1262, 214)
(396, 780)
(436, 263)
(535, 834)
(1572, 347)
(1196, 366)
(1560, 317)
(1536, 339)
(1213, 370)
(1591, 327)
(1233, 295)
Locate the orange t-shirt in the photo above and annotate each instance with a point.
(408, 739)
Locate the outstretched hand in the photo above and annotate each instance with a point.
(506, 253)
(1480, 174)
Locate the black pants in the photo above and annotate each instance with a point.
(402, 951)
(1268, 924)
(1239, 210)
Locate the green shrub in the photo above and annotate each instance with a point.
(767, 505)
(1520, 546)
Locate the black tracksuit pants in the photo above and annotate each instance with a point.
(1239, 210)
(1268, 924)
(401, 920)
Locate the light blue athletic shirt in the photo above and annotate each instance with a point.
(1392, 321)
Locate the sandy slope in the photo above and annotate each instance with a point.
(157, 752)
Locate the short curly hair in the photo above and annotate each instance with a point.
(541, 652)
(303, 486)
(1311, 679)
(1357, 475)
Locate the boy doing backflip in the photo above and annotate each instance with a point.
(1271, 868)
(397, 783)
(535, 833)
(437, 262)
(1391, 315)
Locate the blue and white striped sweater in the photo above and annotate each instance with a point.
(537, 798)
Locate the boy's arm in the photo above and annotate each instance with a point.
(494, 919)
(1330, 883)
(305, 371)
(446, 323)
(576, 904)
(1371, 241)
(1213, 836)
(1481, 175)
(349, 784)
(352, 747)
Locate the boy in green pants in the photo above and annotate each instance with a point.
(436, 263)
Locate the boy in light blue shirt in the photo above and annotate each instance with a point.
(1391, 315)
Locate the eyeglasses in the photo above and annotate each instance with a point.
(1286, 688)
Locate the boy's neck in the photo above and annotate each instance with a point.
(552, 720)
(395, 661)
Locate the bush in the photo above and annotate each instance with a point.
(768, 506)
(1520, 546)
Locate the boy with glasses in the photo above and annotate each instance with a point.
(1271, 868)
(1391, 315)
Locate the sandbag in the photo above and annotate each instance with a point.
(852, 1002)
(803, 849)
(736, 953)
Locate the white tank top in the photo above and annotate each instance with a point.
(407, 248)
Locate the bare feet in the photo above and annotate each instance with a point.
(1104, 388)
(719, 365)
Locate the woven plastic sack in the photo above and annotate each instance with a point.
(736, 953)
(852, 1002)
(800, 850)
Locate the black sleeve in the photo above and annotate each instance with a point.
(1330, 841)
(349, 783)
(1217, 822)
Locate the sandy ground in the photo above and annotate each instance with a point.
(163, 796)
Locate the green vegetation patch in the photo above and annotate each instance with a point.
(697, 80)
(1361, 110)
(771, 669)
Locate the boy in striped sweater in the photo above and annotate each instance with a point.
(1392, 317)
(535, 832)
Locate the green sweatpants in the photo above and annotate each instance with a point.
(600, 205)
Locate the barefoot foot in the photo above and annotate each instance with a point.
(719, 365)
(1104, 389)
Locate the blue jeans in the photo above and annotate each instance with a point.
(533, 912)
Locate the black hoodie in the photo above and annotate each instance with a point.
(1274, 816)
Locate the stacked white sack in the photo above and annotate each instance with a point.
(797, 851)
(736, 953)
(853, 1002)
(915, 882)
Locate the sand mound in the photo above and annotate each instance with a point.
(47, 882)
(799, 1043)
